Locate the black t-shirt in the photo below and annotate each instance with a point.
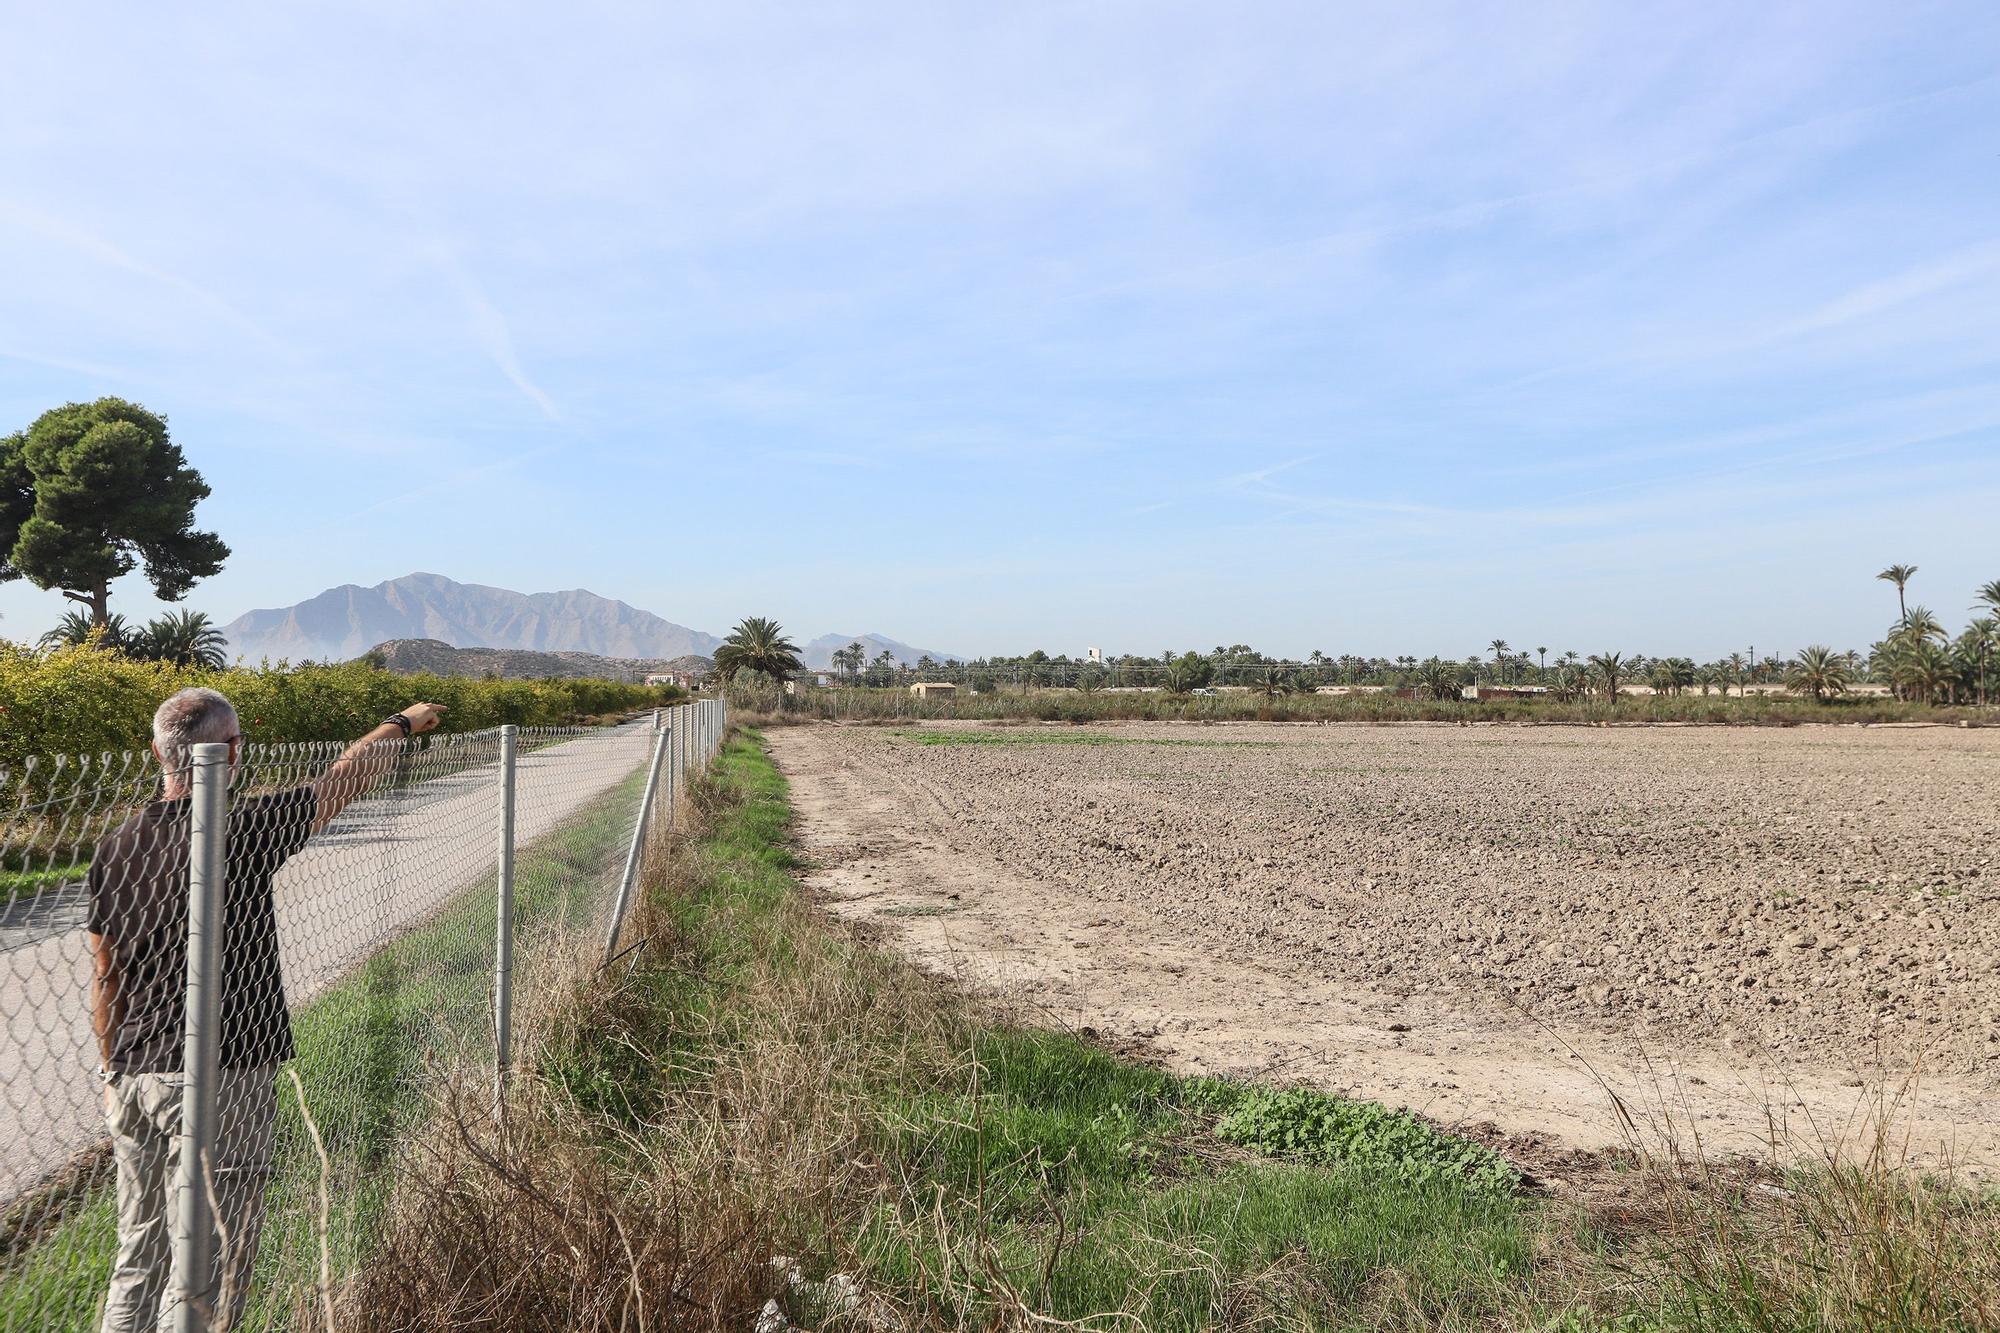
(139, 904)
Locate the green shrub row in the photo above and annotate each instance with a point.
(1079, 706)
(81, 700)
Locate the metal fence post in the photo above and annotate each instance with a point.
(503, 926)
(674, 773)
(632, 857)
(208, 875)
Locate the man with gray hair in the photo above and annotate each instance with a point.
(138, 934)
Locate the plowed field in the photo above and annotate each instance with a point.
(1489, 923)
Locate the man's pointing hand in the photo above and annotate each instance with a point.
(424, 717)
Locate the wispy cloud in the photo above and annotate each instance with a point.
(453, 481)
(96, 370)
(1951, 274)
(70, 235)
(1258, 476)
(490, 331)
(823, 458)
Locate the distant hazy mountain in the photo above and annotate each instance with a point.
(347, 621)
(412, 655)
(819, 653)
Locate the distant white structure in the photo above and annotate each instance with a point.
(1095, 656)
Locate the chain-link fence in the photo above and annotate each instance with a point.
(232, 990)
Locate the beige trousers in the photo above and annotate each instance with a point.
(144, 1112)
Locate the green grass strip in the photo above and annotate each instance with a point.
(1097, 1184)
(16, 884)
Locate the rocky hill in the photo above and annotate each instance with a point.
(345, 622)
(414, 655)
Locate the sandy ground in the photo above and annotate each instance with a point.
(1749, 935)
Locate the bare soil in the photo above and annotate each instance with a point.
(1754, 938)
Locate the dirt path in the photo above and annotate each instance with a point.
(893, 845)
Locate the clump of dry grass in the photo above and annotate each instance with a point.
(540, 1224)
(1840, 1244)
(645, 1174)
(1829, 1230)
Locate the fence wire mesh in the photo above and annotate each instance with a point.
(360, 923)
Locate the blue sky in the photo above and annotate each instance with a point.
(1369, 329)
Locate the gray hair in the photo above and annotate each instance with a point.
(190, 718)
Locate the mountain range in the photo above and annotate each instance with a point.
(441, 659)
(345, 622)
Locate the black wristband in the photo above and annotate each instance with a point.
(400, 721)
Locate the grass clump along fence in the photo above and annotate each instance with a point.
(764, 1112)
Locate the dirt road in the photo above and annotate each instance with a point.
(1746, 934)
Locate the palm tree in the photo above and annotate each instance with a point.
(76, 628)
(1988, 597)
(1899, 575)
(1925, 671)
(1884, 660)
(1608, 666)
(850, 660)
(185, 638)
(758, 644)
(1568, 685)
(1186, 673)
(1438, 679)
(1543, 653)
(1818, 671)
(1671, 675)
(1499, 650)
(1984, 637)
(1919, 623)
